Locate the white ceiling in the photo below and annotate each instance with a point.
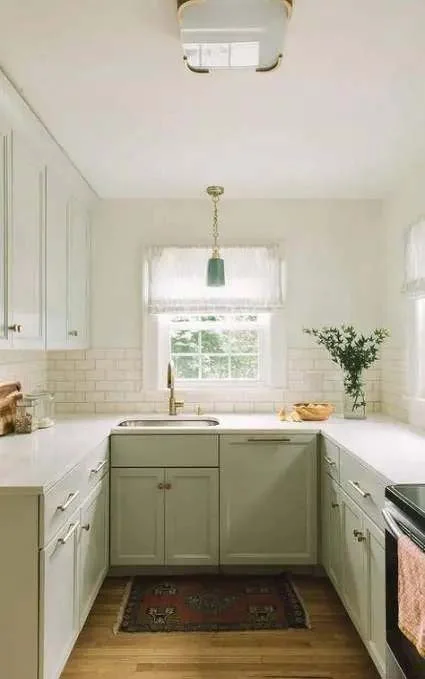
(342, 117)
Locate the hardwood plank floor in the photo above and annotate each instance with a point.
(330, 650)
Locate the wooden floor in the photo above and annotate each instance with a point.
(330, 650)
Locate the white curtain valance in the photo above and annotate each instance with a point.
(177, 280)
(414, 273)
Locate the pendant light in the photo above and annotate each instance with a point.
(215, 271)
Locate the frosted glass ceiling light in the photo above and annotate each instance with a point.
(233, 34)
(215, 270)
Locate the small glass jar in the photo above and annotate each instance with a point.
(25, 419)
(45, 409)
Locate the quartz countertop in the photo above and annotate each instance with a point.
(32, 463)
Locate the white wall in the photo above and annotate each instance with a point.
(400, 210)
(333, 257)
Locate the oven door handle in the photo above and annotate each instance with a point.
(392, 526)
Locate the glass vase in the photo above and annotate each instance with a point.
(355, 406)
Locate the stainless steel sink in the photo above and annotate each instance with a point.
(170, 422)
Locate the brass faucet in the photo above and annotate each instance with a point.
(172, 403)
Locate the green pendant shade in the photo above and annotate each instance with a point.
(215, 274)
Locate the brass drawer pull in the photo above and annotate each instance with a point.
(73, 333)
(262, 440)
(355, 485)
(99, 467)
(70, 531)
(69, 501)
(328, 461)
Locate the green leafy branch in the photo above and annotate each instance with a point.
(353, 352)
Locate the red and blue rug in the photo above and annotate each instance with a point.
(211, 603)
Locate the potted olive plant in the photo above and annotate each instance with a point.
(354, 353)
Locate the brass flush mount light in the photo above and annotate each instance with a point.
(233, 34)
(215, 271)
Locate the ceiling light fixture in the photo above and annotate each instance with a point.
(233, 34)
(215, 270)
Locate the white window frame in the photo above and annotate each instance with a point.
(263, 355)
(414, 289)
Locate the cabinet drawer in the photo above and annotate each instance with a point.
(61, 501)
(363, 486)
(95, 465)
(330, 458)
(166, 450)
(271, 439)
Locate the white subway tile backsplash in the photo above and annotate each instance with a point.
(109, 380)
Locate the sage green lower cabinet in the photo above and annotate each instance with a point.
(164, 516)
(60, 596)
(375, 578)
(268, 500)
(137, 516)
(93, 546)
(191, 517)
(353, 552)
(331, 529)
(353, 555)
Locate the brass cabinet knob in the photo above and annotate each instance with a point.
(16, 327)
(334, 505)
(73, 333)
(160, 486)
(167, 486)
(86, 527)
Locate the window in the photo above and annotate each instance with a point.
(221, 348)
(414, 288)
(215, 336)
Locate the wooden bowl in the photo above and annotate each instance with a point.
(315, 412)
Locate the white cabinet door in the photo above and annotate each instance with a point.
(59, 599)
(331, 529)
(93, 545)
(191, 517)
(5, 214)
(56, 262)
(78, 255)
(268, 500)
(26, 249)
(375, 578)
(354, 548)
(137, 517)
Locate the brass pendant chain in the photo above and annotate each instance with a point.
(216, 252)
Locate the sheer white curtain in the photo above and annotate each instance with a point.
(177, 280)
(414, 273)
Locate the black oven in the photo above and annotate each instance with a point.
(402, 517)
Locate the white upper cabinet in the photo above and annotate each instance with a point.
(44, 236)
(56, 262)
(78, 260)
(67, 272)
(26, 250)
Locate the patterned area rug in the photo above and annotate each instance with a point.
(211, 603)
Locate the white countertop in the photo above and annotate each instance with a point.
(32, 463)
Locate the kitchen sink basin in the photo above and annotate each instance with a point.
(170, 422)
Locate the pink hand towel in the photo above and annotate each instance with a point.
(411, 592)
